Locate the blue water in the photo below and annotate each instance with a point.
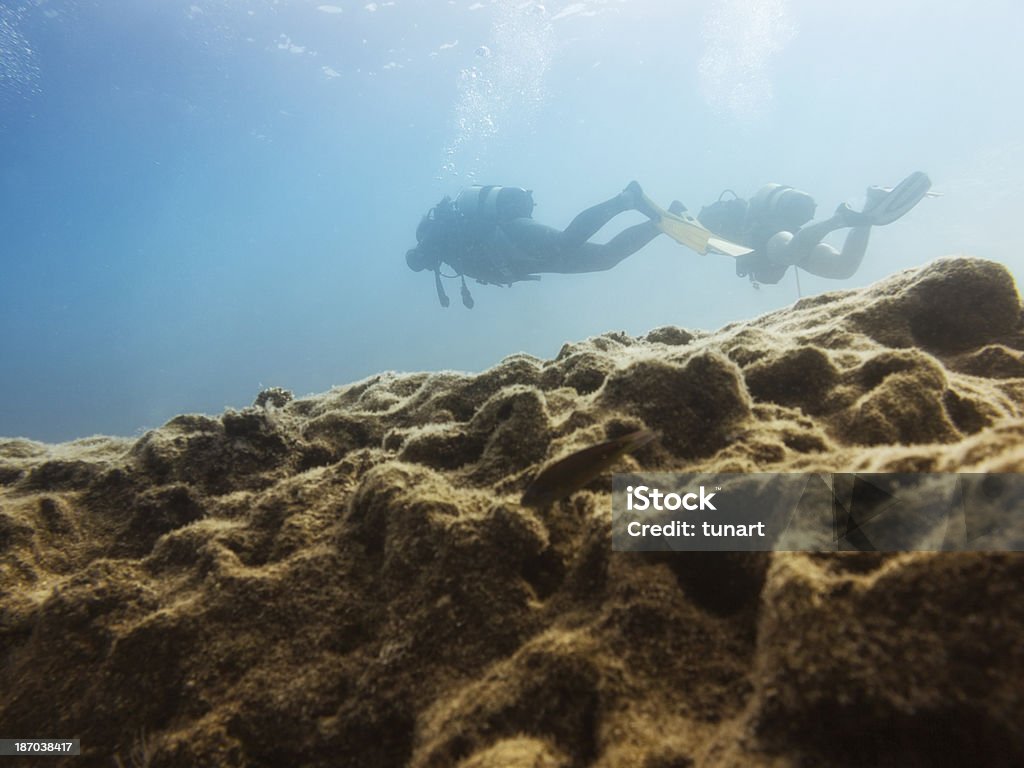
(202, 199)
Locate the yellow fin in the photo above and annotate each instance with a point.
(686, 230)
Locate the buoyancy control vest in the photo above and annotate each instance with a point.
(454, 227)
(774, 208)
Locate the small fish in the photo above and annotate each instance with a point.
(566, 476)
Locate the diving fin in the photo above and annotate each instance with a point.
(684, 228)
(727, 247)
(681, 227)
(892, 204)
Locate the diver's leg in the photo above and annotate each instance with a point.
(587, 224)
(799, 246)
(595, 257)
(825, 261)
(778, 251)
(808, 239)
(822, 260)
(806, 250)
(528, 246)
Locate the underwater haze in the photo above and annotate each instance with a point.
(199, 200)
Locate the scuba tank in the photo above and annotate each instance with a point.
(785, 207)
(494, 205)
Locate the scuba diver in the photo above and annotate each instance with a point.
(488, 233)
(774, 225)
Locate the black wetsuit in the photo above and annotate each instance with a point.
(504, 252)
